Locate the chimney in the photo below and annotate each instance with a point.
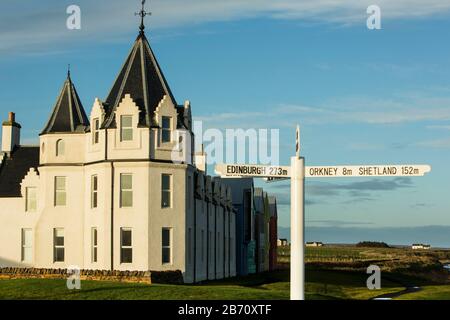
(200, 160)
(10, 134)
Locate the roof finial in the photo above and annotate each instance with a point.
(142, 14)
(68, 70)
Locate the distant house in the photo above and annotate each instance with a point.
(282, 242)
(420, 246)
(314, 244)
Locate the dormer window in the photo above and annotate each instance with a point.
(166, 134)
(126, 128)
(60, 148)
(95, 131)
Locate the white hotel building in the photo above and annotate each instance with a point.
(101, 191)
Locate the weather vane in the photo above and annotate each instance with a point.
(142, 14)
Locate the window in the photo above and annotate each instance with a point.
(189, 245)
(211, 249)
(126, 249)
(166, 246)
(232, 244)
(94, 245)
(27, 245)
(94, 191)
(203, 245)
(30, 196)
(95, 131)
(126, 190)
(166, 134)
(60, 148)
(218, 245)
(58, 245)
(166, 194)
(126, 128)
(60, 191)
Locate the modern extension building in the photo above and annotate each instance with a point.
(273, 234)
(243, 202)
(262, 216)
(115, 189)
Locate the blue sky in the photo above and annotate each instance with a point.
(360, 96)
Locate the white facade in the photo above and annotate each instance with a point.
(100, 201)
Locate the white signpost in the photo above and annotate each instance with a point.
(297, 173)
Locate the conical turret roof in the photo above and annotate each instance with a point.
(142, 78)
(68, 115)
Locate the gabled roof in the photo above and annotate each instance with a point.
(68, 115)
(238, 186)
(14, 168)
(273, 206)
(142, 78)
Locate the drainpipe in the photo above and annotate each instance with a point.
(195, 230)
(112, 199)
(215, 240)
(224, 237)
(207, 238)
(229, 243)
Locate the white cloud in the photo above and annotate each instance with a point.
(435, 144)
(109, 20)
(366, 110)
(439, 127)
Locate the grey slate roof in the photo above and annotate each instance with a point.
(273, 206)
(68, 114)
(142, 78)
(238, 185)
(14, 168)
(259, 200)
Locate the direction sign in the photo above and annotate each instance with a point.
(245, 170)
(276, 173)
(297, 173)
(367, 171)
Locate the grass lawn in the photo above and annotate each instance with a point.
(270, 286)
(441, 292)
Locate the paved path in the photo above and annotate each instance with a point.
(389, 296)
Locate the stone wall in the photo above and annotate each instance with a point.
(148, 277)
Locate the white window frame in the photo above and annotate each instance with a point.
(167, 247)
(123, 190)
(124, 128)
(29, 207)
(60, 191)
(27, 246)
(55, 246)
(166, 129)
(94, 191)
(95, 131)
(94, 245)
(60, 148)
(169, 191)
(122, 246)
